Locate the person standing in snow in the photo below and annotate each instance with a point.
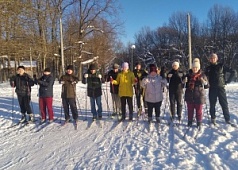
(196, 81)
(139, 74)
(116, 103)
(153, 85)
(68, 94)
(93, 78)
(126, 79)
(175, 79)
(216, 75)
(22, 83)
(46, 83)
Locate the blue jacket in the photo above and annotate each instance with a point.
(46, 83)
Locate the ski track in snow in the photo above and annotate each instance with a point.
(115, 145)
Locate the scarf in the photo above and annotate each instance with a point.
(192, 80)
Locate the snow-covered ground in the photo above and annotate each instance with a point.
(114, 146)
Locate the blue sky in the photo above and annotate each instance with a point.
(154, 13)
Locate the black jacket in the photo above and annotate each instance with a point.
(22, 83)
(113, 88)
(46, 83)
(139, 75)
(216, 75)
(94, 88)
(176, 81)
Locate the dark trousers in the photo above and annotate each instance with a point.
(123, 107)
(175, 97)
(219, 93)
(198, 108)
(70, 102)
(24, 103)
(46, 103)
(155, 106)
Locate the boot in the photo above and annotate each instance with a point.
(149, 119)
(213, 121)
(190, 122)
(23, 118)
(158, 119)
(31, 117)
(199, 125)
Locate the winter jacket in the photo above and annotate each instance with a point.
(113, 88)
(153, 86)
(22, 83)
(195, 92)
(176, 81)
(94, 88)
(46, 83)
(216, 75)
(125, 80)
(69, 85)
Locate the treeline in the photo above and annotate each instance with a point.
(218, 33)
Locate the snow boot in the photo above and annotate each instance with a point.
(31, 118)
(213, 121)
(199, 125)
(190, 122)
(158, 119)
(23, 118)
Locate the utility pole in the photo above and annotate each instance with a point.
(61, 40)
(189, 43)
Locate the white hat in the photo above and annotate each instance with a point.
(196, 60)
(175, 63)
(125, 65)
(196, 64)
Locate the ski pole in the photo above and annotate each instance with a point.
(86, 99)
(13, 99)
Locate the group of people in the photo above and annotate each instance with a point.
(147, 85)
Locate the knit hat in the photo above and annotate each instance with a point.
(22, 67)
(138, 63)
(196, 63)
(153, 68)
(175, 63)
(92, 67)
(125, 65)
(70, 67)
(115, 66)
(47, 70)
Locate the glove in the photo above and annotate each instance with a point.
(114, 82)
(111, 79)
(85, 75)
(61, 82)
(74, 82)
(185, 80)
(170, 75)
(180, 74)
(100, 76)
(203, 81)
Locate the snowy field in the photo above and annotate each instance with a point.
(114, 146)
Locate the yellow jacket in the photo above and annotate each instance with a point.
(125, 80)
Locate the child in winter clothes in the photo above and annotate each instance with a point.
(22, 82)
(175, 78)
(196, 81)
(94, 90)
(46, 83)
(153, 85)
(125, 80)
(69, 81)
